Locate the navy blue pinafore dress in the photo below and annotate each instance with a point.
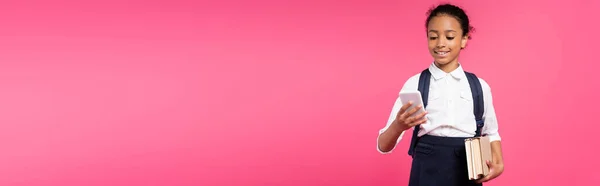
(442, 161)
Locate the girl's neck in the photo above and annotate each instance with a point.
(449, 67)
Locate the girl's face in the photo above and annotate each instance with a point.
(444, 35)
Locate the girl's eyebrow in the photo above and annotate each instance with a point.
(435, 31)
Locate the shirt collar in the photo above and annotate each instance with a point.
(438, 73)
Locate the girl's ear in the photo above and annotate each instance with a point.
(463, 42)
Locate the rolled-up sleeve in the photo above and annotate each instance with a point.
(490, 127)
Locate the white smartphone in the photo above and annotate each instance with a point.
(415, 98)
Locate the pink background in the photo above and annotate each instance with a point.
(274, 92)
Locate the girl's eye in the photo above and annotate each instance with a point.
(450, 38)
(432, 38)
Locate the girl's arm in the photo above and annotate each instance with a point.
(497, 154)
(391, 134)
(490, 129)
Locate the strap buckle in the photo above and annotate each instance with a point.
(480, 123)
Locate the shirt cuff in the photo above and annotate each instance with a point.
(494, 137)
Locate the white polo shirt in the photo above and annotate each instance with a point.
(449, 106)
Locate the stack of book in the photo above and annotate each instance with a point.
(478, 152)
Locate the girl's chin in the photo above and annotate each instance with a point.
(442, 61)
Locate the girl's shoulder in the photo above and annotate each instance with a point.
(485, 86)
(412, 83)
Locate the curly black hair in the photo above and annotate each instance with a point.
(454, 11)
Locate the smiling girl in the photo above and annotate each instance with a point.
(437, 147)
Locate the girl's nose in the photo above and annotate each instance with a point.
(440, 44)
